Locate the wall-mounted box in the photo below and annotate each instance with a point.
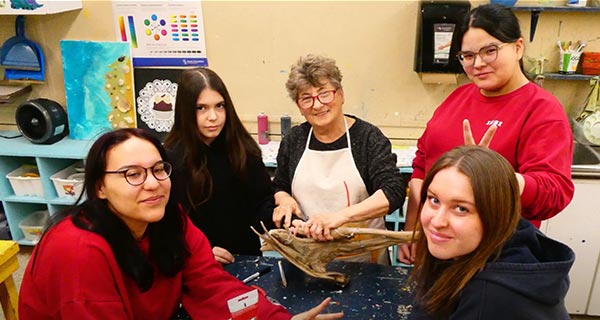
(438, 36)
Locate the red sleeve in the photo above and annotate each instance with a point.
(544, 159)
(207, 286)
(75, 277)
(418, 164)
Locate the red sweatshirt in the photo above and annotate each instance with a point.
(533, 135)
(77, 277)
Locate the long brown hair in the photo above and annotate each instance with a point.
(168, 250)
(497, 199)
(186, 135)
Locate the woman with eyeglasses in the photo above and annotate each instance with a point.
(128, 251)
(503, 110)
(479, 258)
(219, 175)
(334, 169)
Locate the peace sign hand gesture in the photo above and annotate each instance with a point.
(485, 141)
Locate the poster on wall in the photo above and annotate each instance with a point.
(99, 87)
(156, 91)
(162, 33)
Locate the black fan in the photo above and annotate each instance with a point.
(42, 121)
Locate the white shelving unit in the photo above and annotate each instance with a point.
(47, 7)
(49, 160)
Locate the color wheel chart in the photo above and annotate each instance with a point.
(162, 33)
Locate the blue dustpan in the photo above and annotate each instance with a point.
(19, 52)
(21, 74)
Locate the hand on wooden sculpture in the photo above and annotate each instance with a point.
(312, 256)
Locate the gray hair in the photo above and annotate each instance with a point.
(312, 70)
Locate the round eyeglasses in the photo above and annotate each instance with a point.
(324, 97)
(487, 54)
(136, 175)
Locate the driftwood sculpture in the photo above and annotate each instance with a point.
(312, 256)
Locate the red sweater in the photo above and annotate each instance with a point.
(533, 135)
(77, 277)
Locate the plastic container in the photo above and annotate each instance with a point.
(33, 225)
(506, 3)
(26, 181)
(577, 3)
(263, 128)
(68, 182)
(286, 124)
(568, 62)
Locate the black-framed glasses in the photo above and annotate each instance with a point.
(324, 97)
(136, 175)
(487, 53)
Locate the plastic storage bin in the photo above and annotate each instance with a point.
(68, 182)
(33, 225)
(26, 181)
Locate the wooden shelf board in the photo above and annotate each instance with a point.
(556, 9)
(5, 82)
(65, 148)
(27, 199)
(561, 76)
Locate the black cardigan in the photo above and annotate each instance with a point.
(371, 150)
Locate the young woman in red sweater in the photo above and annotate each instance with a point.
(531, 128)
(128, 251)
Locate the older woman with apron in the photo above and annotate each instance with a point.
(333, 170)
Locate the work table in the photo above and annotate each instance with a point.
(374, 291)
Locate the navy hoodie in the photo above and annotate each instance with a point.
(528, 281)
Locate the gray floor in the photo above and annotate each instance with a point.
(25, 253)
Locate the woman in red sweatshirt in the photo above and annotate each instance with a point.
(127, 252)
(531, 128)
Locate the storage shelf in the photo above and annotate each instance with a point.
(65, 148)
(62, 201)
(556, 9)
(5, 82)
(48, 7)
(561, 76)
(535, 14)
(26, 242)
(49, 160)
(27, 199)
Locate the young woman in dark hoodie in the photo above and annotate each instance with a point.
(483, 260)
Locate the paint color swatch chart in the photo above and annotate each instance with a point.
(162, 33)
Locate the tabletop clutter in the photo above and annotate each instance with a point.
(571, 53)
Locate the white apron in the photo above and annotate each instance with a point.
(328, 181)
